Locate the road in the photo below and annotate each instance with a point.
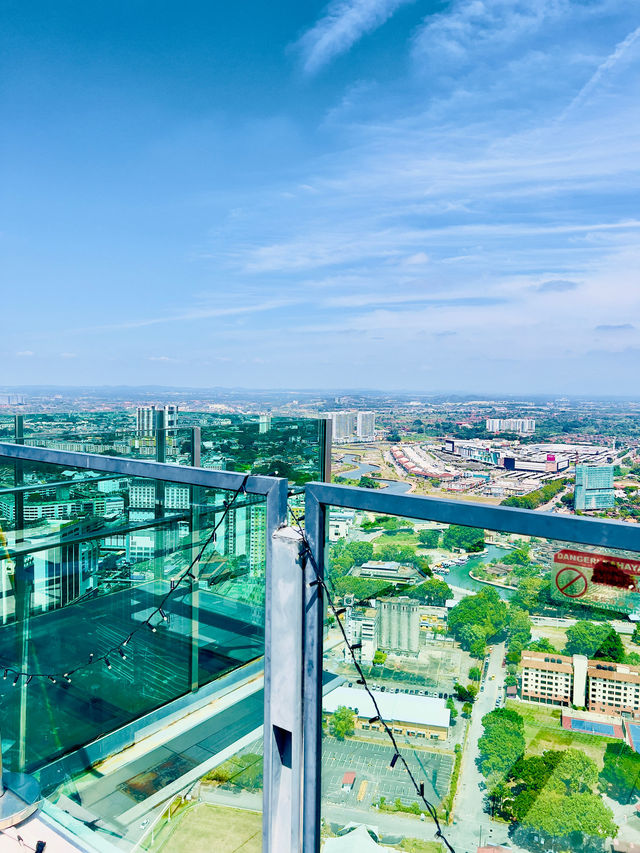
(472, 827)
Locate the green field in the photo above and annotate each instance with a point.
(543, 730)
(206, 827)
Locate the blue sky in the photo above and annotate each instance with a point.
(366, 193)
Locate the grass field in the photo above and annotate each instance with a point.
(543, 730)
(207, 827)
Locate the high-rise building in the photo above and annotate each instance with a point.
(399, 625)
(145, 419)
(594, 487)
(343, 426)
(63, 573)
(523, 426)
(366, 426)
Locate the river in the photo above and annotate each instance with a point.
(394, 487)
(458, 575)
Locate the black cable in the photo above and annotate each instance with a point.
(307, 556)
(118, 649)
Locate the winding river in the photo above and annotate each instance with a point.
(394, 487)
(458, 575)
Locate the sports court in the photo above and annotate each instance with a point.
(590, 726)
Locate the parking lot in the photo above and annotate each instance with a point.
(371, 764)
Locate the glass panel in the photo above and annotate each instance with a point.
(503, 664)
(263, 444)
(101, 629)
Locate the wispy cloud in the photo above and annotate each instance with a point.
(556, 285)
(615, 327)
(343, 24)
(25, 353)
(621, 50)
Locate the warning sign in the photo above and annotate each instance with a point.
(571, 582)
(601, 580)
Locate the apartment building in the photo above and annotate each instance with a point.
(547, 678)
(601, 686)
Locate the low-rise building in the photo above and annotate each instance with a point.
(387, 570)
(413, 716)
(600, 686)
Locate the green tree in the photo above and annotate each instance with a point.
(500, 748)
(379, 657)
(635, 637)
(502, 744)
(467, 708)
(542, 645)
(429, 538)
(595, 641)
(485, 612)
(432, 591)
(452, 708)
(518, 625)
(469, 539)
(621, 772)
(473, 639)
(611, 648)
(519, 556)
(361, 552)
(559, 815)
(475, 673)
(342, 722)
(530, 592)
(575, 772)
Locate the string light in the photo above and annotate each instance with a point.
(307, 558)
(160, 611)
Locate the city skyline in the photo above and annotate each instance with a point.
(426, 196)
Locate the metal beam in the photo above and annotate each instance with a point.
(283, 734)
(527, 522)
(312, 639)
(206, 477)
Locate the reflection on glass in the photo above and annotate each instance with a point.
(85, 560)
(507, 667)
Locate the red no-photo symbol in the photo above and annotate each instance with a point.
(571, 582)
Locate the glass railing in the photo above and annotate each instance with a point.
(281, 446)
(506, 667)
(113, 635)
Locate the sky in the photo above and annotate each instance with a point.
(436, 195)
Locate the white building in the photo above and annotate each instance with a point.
(366, 426)
(145, 419)
(361, 627)
(399, 626)
(523, 426)
(343, 426)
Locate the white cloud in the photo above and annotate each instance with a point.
(25, 353)
(344, 23)
(68, 355)
(605, 67)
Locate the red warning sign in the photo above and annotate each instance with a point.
(612, 582)
(571, 582)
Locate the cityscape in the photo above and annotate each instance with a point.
(320, 426)
(507, 665)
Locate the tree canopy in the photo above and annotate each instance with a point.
(433, 591)
(469, 539)
(621, 772)
(342, 722)
(476, 619)
(502, 744)
(595, 640)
